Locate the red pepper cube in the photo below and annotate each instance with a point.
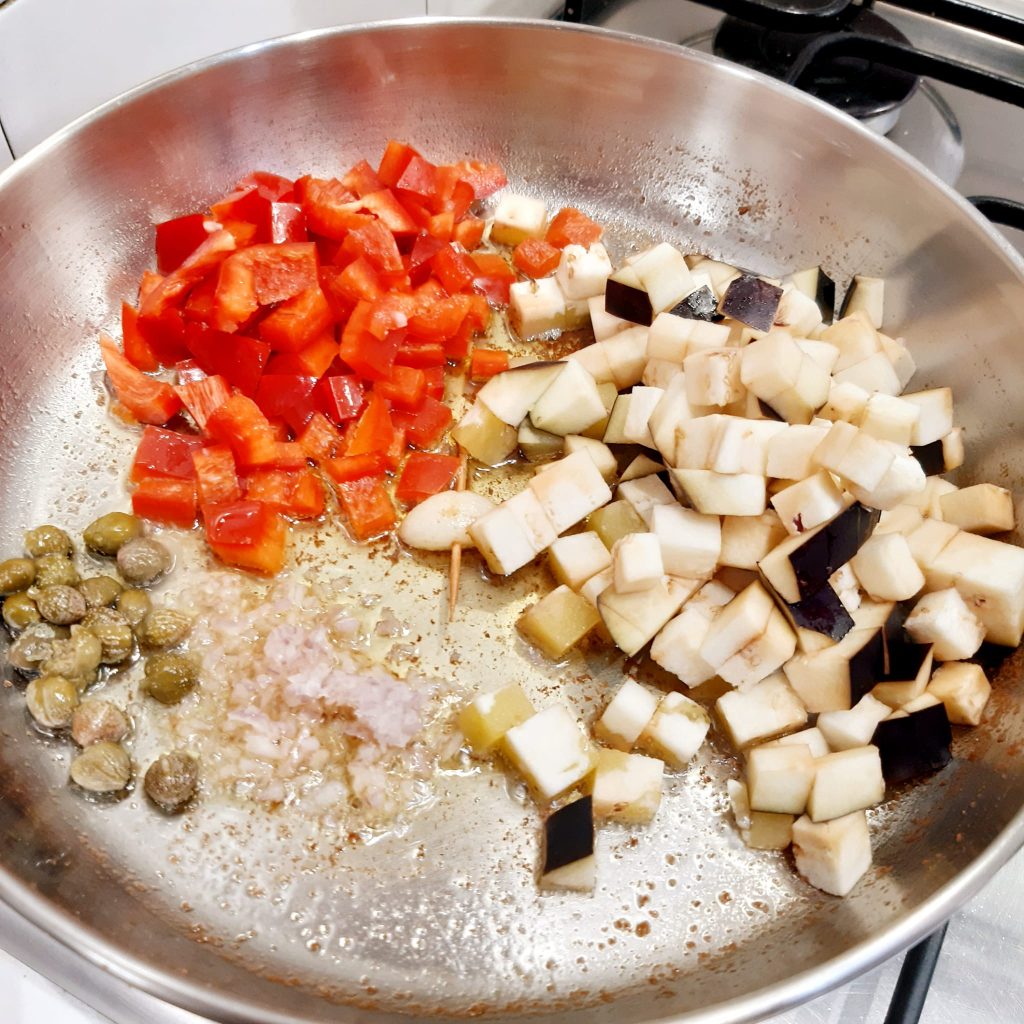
(165, 500)
(424, 474)
(241, 425)
(247, 534)
(405, 388)
(341, 397)
(288, 397)
(367, 506)
(238, 359)
(374, 430)
(216, 476)
(165, 453)
(453, 268)
(352, 467)
(426, 427)
(202, 397)
(487, 362)
(536, 258)
(571, 227)
(147, 399)
(469, 233)
(137, 350)
(296, 322)
(177, 239)
(320, 439)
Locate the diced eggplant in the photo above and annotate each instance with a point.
(570, 403)
(645, 495)
(963, 689)
(832, 855)
(677, 647)
(761, 656)
(836, 677)
(721, 494)
(558, 621)
(485, 436)
(626, 298)
(844, 730)
(907, 668)
(486, 719)
(914, 745)
(886, 569)
(570, 489)
(640, 467)
(582, 272)
(943, 618)
(627, 787)
(637, 563)
(812, 738)
(831, 547)
(569, 847)
(752, 301)
(677, 730)
(981, 508)
(575, 559)
(820, 287)
(844, 782)
(701, 304)
(935, 419)
(633, 619)
(511, 393)
(747, 539)
(615, 520)
(602, 455)
(518, 217)
(538, 445)
(627, 715)
(550, 750)
(761, 711)
(822, 612)
(779, 778)
(868, 295)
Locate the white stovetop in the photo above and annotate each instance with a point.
(60, 58)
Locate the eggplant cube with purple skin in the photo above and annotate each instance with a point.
(914, 744)
(569, 848)
(752, 301)
(832, 855)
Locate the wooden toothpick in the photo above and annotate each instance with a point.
(455, 566)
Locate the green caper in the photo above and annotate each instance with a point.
(163, 627)
(48, 540)
(134, 605)
(60, 605)
(143, 561)
(20, 611)
(33, 647)
(171, 781)
(77, 658)
(16, 574)
(56, 571)
(51, 701)
(170, 677)
(107, 534)
(113, 632)
(100, 591)
(98, 721)
(102, 768)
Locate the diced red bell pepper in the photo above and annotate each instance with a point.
(352, 467)
(370, 357)
(405, 388)
(166, 500)
(202, 397)
(296, 322)
(247, 206)
(240, 360)
(165, 453)
(188, 371)
(375, 243)
(199, 304)
(341, 397)
(419, 177)
(397, 157)
(374, 430)
(434, 376)
(356, 282)
(260, 275)
(456, 347)
(427, 426)
(362, 179)
(240, 424)
(441, 320)
(210, 255)
(493, 277)
(275, 187)
(423, 355)
(397, 450)
(216, 475)
(535, 257)
(331, 209)
(136, 349)
(454, 269)
(288, 397)
(453, 194)
(367, 506)
(424, 249)
(148, 282)
(424, 474)
(147, 399)
(288, 223)
(387, 208)
(247, 534)
(572, 227)
(164, 335)
(469, 233)
(320, 439)
(487, 362)
(484, 178)
(177, 239)
(244, 232)
(296, 493)
(289, 455)
(311, 361)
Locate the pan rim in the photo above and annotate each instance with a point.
(89, 945)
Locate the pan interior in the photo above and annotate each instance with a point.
(226, 908)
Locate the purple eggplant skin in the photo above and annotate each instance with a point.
(825, 296)
(628, 303)
(822, 612)
(931, 457)
(832, 547)
(752, 301)
(867, 666)
(913, 746)
(569, 834)
(698, 305)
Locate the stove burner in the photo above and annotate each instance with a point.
(870, 92)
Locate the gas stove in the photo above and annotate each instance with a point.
(974, 141)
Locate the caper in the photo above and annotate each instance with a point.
(102, 768)
(113, 631)
(170, 677)
(163, 627)
(20, 612)
(106, 534)
(134, 605)
(60, 605)
(56, 571)
(34, 646)
(48, 540)
(77, 658)
(100, 591)
(171, 781)
(98, 721)
(143, 561)
(51, 701)
(16, 574)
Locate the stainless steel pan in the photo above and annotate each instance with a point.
(247, 920)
